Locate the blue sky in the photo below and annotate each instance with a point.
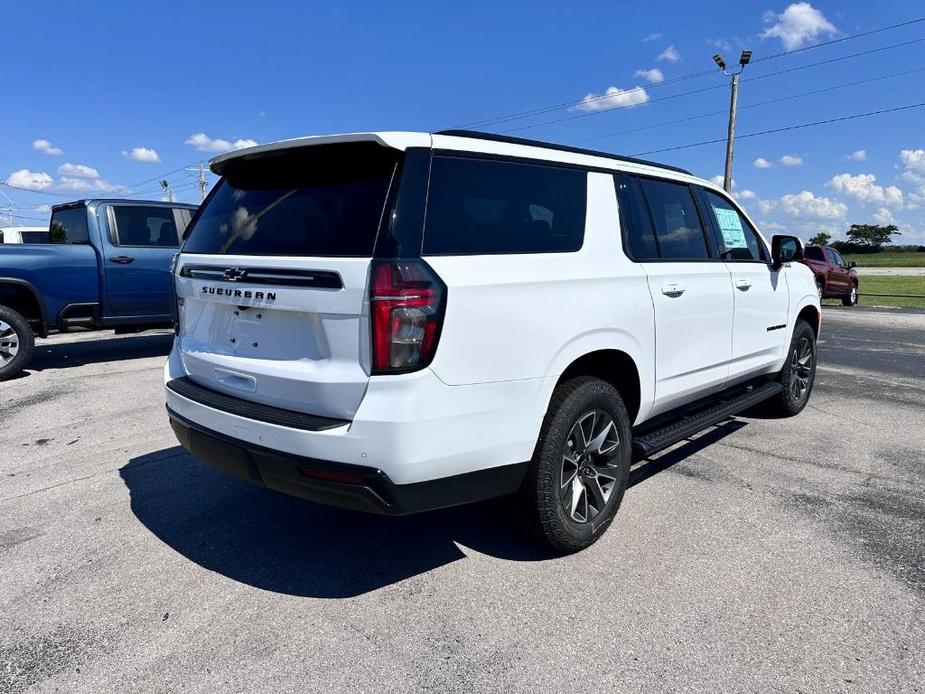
(105, 98)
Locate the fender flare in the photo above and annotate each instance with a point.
(35, 294)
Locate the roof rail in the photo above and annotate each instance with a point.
(478, 135)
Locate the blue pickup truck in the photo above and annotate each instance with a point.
(107, 265)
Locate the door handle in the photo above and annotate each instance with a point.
(672, 290)
(122, 259)
(743, 284)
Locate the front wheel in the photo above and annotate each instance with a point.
(799, 372)
(580, 466)
(16, 342)
(851, 298)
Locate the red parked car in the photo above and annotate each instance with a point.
(835, 277)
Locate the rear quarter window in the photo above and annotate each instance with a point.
(69, 225)
(480, 206)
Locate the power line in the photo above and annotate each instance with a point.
(718, 86)
(783, 129)
(741, 108)
(555, 107)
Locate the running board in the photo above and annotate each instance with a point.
(654, 441)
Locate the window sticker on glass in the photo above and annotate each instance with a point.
(731, 227)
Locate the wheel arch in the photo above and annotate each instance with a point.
(22, 297)
(613, 366)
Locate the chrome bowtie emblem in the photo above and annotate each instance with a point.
(235, 273)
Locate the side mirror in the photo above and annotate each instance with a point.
(852, 264)
(785, 249)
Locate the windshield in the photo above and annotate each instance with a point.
(315, 201)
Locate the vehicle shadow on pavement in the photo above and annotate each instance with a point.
(65, 355)
(288, 545)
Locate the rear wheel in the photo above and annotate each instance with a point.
(580, 466)
(16, 342)
(799, 372)
(851, 298)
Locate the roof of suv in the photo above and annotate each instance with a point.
(463, 140)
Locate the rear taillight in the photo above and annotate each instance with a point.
(406, 301)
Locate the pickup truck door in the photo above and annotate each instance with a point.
(761, 296)
(690, 290)
(839, 276)
(138, 248)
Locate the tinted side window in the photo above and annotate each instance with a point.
(145, 226)
(479, 206)
(838, 259)
(813, 253)
(69, 226)
(735, 236)
(678, 229)
(638, 232)
(830, 256)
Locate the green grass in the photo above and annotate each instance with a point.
(898, 284)
(888, 259)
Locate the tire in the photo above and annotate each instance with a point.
(798, 374)
(851, 298)
(571, 516)
(16, 343)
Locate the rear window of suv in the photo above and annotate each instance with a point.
(483, 206)
(325, 200)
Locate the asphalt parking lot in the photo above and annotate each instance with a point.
(766, 555)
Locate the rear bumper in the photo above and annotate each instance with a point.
(354, 487)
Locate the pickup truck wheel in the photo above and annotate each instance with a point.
(16, 342)
(799, 372)
(851, 298)
(578, 474)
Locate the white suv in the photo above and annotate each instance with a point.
(395, 322)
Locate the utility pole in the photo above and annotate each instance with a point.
(169, 193)
(744, 60)
(201, 180)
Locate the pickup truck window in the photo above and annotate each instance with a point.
(678, 229)
(69, 225)
(736, 238)
(136, 225)
(814, 253)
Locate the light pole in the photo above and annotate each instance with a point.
(744, 59)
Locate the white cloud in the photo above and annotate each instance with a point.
(884, 216)
(653, 76)
(79, 170)
(857, 155)
(914, 166)
(614, 97)
(806, 205)
(798, 25)
(863, 188)
(46, 146)
(204, 143)
(43, 208)
(721, 44)
(74, 184)
(791, 160)
(670, 54)
(652, 37)
(34, 180)
(142, 154)
(746, 195)
(762, 163)
(766, 205)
